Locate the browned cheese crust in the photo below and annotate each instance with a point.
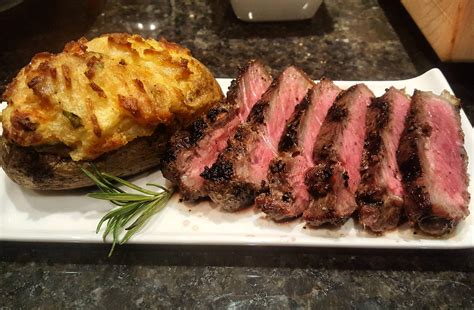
(96, 97)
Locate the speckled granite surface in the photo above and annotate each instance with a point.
(71, 276)
(347, 40)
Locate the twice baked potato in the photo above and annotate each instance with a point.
(112, 101)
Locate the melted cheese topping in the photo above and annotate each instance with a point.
(98, 95)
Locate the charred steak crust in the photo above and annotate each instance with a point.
(289, 140)
(333, 180)
(286, 195)
(423, 205)
(379, 195)
(220, 175)
(277, 203)
(233, 181)
(189, 137)
(257, 115)
(418, 203)
(221, 171)
(190, 149)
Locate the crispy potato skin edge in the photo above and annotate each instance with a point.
(45, 171)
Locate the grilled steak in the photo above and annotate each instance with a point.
(286, 195)
(198, 146)
(380, 193)
(433, 163)
(333, 181)
(237, 175)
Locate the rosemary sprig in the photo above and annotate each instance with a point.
(138, 206)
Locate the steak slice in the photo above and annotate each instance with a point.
(237, 176)
(192, 149)
(286, 195)
(333, 181)
(380, 192)
(433, 163)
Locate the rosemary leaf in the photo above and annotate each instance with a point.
(147, 212)
(128, 235)
(96, 180)
(118, 212)
(108, 229)
(119, 197)
(138, 206)
(111, 187)
(128, 184)
(159, 186)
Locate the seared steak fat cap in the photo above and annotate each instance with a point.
(240, 171)
(380, 193)
(192, 149)
(333, 180)
(433, 163)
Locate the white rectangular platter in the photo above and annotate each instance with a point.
(27, 215)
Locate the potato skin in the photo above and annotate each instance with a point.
(47, 171)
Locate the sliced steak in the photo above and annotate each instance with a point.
(192, 149)
(433, 163)
(286, 195)
(380, 192)
(333, 181)
(237, 176)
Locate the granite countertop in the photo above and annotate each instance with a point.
(346, 40)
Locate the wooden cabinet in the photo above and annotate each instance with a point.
(447, 24)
